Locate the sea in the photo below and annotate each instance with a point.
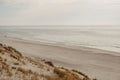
(101, 37)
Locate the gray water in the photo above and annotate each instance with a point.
(107, 38)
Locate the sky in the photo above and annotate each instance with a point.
(59, 12)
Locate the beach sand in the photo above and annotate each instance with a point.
(95, 63)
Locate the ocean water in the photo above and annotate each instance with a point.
(107, 38)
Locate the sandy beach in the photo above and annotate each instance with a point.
(96, 63)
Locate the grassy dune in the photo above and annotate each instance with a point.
(16, 66)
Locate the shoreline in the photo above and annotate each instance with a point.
(94, 62)
(60, 44)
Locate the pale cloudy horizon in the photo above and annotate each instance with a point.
(60, 12)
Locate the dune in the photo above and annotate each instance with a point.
(16, 66)
(96, 63)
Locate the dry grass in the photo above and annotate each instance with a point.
(14, 56)
(84, 75)
(6, 67)
(24, 71)
(14, 50)
(27, 74)
(1, 44)
(16, 63)
(13, 67)
(49, 63)
(66, 75)
(0, 50)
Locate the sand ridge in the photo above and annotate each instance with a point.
(16, 66)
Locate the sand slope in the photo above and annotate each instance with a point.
(16, 66)
(96, 63)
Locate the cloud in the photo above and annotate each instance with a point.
(59, 12)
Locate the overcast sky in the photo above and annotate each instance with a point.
(59, 12)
